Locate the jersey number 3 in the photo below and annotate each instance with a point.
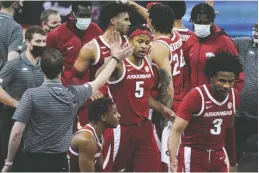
(217, 127)
(139, 89)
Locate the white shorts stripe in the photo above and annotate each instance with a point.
(187, 159)
(117, 137)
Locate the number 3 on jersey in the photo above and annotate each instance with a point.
(180, 64)
(139, 89)
(217, 127)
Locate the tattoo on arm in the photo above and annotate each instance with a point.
(164, 96)
(164, 85)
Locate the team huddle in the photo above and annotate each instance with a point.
(159, 97)
(153, 91)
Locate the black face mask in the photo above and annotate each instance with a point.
(37, 51)
(51, 28)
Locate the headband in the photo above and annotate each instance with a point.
(139, 31)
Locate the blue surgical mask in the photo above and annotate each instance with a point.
(83, 23)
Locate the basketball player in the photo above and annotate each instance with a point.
(132, 145)
(113, 16)
(87, 143)
(204, 117)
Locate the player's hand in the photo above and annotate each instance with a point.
(6, 169)
(233, 168)
(211, 3)
(118, 51)
(123, 1)
(97, 95)
(168, 113)
(173, 165)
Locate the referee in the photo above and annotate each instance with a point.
(17, 76)
(48, 113)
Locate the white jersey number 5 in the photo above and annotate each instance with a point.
(217, 127)
(139, 89)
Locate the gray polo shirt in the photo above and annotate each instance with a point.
(19, 74)
(49, 112)
(249, 95)
(11, 36)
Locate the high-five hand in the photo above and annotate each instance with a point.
(118, 50)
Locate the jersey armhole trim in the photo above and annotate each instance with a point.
(98, 52)
(170, 52)
(150, 65)
(73, 152)
(202, 102)
(122, 76)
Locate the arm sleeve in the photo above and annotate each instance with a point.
(191, 105)
(229, 46)
(16, 40)
(83, 92)
(230, 140)
(23, 111)
(8, 73)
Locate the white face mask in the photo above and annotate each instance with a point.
(255, 36)
(202, 31)
(83, 23)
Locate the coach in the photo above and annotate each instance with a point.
(17, 76)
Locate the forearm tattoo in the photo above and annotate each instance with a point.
(165, 80)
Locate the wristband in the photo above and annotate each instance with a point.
(8, 163)
(118, 61)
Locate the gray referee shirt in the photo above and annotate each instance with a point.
(49, 112)
(11, 36)
(248, 53)
(19, 74)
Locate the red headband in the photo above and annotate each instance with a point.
(139, 31)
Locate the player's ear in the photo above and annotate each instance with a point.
(113, 21)
(103, 118)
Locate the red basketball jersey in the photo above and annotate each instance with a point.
(131, 91)
(103, 52)
(210, 119)
(184, 33)
(73, 152)
(176, 59)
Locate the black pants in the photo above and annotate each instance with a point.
(40, 162)
(6, 125)
(245, 128)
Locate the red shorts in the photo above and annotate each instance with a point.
(131, 148)
(192, 160)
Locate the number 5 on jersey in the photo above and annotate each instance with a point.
(139, 89)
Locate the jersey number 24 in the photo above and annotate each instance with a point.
(178, 65)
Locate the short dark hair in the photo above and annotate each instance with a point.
(33, 30)
(110, 10)
(136, 27)
(179, 8)
(222, 61)
(6, 4)
(52, 63)
(162, 18)
(98, 108)
(75, 4)
(46, 13)
(203, 8)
